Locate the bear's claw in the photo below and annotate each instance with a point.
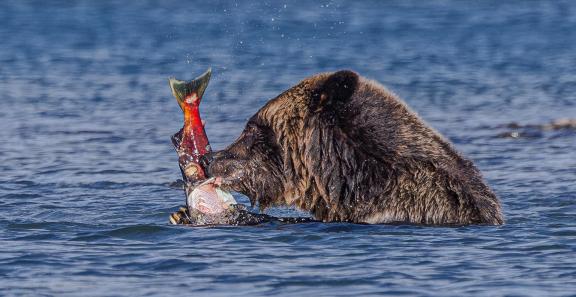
(180, 217)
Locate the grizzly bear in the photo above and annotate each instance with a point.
(346, 149)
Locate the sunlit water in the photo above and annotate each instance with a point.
(86, 162)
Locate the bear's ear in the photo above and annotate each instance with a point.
(337, 88)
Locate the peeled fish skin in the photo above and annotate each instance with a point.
(209, 198)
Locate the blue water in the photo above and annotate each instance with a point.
(86, 162)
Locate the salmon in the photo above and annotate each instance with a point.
(191, 143)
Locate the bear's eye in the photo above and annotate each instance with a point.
(259, 139)
(258, 133)
(253, 129)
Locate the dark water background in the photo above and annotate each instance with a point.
(86, 162)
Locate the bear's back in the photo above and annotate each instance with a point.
(426, 171)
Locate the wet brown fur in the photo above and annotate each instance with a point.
(346, 149)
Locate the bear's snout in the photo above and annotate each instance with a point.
(225, 165)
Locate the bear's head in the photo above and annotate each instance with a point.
(346, 149)
(292, 151)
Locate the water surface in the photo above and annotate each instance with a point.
(86, 162)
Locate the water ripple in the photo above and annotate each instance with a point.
(87, 170)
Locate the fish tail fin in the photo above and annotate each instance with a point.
(190, 92)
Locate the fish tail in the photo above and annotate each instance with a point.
(189, 93)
